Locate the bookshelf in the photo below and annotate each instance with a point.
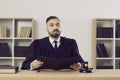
(11, 32)
(106, 31)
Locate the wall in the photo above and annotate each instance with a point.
(76, 17)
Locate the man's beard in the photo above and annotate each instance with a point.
(56, 35)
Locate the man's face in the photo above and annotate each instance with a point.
(54, 28)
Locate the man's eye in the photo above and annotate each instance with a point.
(57, 24)
(51, 25)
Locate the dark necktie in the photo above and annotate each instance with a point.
(55, 44)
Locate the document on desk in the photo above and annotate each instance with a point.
(53, 63)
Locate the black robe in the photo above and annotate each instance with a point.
(43, 47)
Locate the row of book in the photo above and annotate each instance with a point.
(25, 32)
(21, 51)
(104, 32)
(107, 32)
(4, 50)
(3, 31)
(101, 50)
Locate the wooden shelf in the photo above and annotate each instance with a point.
(13, 26)
(105, 31)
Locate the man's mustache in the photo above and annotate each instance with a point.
(56, 30)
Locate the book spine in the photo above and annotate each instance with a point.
(101, 49)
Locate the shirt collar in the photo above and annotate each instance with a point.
(51, 40)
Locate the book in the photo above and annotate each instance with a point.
(3, 31)
(117, 29)
(28, 31)
(117, 51)
(22, 32)
(101, 50)
(4, 50)
(1, 51)
(8, 69)
(119, 65)
(56, 64)
(0, 31)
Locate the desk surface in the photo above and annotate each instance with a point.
(62, 75)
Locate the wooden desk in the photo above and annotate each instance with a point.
(63, 75)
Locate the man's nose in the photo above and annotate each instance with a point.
(55, 27)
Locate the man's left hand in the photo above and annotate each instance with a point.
(75, 66)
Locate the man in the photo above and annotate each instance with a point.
(54, 46)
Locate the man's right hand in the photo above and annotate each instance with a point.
(36, 64)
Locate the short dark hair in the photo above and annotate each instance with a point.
(52, 17)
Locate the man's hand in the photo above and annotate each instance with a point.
(75, 66)
(36, 64)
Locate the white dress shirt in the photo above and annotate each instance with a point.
(52, 42)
